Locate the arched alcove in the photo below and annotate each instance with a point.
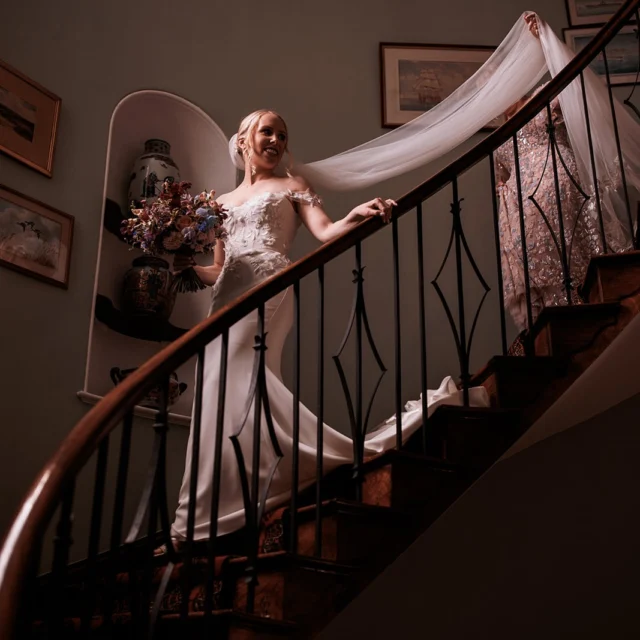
(200, 149)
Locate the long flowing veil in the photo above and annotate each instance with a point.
(517, 66)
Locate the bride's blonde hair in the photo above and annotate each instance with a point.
(248, 127)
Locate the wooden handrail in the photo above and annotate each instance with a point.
(44, 495)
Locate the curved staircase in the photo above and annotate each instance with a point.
(291, 570)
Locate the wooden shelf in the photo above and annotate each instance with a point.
(138, 410)
(113, 217)
(135, 327)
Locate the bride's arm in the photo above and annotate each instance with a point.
(209, 274)
(324, 229)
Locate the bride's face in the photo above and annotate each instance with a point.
(269, 142)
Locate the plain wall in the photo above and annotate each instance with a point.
(317, 63)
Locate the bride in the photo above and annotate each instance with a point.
(265, 211)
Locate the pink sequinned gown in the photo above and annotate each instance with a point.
(543, 252)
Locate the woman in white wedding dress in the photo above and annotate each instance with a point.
(265, 212)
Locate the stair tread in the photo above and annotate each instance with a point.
(618, 260)
(529, 364)
(282, 559)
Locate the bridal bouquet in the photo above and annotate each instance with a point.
(177, 223)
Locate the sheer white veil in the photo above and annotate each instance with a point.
(516, 67)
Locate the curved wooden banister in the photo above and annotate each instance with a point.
(44, 496)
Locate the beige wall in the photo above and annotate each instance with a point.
(317, 63)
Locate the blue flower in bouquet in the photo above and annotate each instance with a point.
(177, 222)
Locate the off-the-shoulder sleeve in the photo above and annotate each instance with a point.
(305, 197)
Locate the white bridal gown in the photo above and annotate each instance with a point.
(260, 233)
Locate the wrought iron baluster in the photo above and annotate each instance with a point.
(423, 327)
(254, 503)
(148, 506)
(623, 174)
(161, 428)
(193, 489)
(118, 515)
(568, 285)
(464, 356)
(397, 339)
(592, 158)
(61, 544)
(320, 416)
(458, 241)
(496, 230)
(253, 524)
(358, 421)
(627, 100)
(94, 537)
(359, 441)
(145, 603)
(295, 460)
(523, 240)
(215, 485)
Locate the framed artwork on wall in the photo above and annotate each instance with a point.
(622, 53)
(35, 239)
(28, 120)
(583, 12)
(417, 77)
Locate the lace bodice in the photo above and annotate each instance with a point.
(260, 233)
(265, 222)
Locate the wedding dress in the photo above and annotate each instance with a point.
(259, 235)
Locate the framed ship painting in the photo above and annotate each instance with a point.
(622, 53)
(417, 77)
(583, 12)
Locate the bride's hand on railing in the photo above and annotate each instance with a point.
(375, 207)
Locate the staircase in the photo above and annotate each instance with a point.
(290, 572)
(305, 578)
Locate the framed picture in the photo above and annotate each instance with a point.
(581, 12)
(28, 120)
(622, 52)
(417, 77)
(35, 238)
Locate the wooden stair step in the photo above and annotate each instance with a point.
(570, 330)
(474, 437)
(353, 533)
(515, 382)
(233, 625)
(612, 277)
(409, 481)
(294, 588)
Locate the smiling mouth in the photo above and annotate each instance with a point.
(271, 152)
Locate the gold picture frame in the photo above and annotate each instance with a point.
(622, 53)
(35, 239)
(591, 12)
(28, 120)
(440, 68)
